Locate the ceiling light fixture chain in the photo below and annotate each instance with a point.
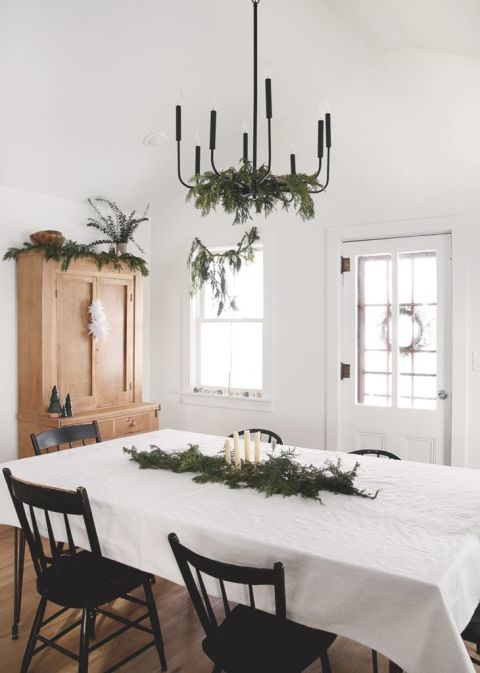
(252, 182)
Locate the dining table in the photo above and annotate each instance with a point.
(399, 573)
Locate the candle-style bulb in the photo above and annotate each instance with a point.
(179, 98)
(244, 127)
(214, 102)
(293, 148)
(196, 139)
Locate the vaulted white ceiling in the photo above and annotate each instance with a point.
(84, 81)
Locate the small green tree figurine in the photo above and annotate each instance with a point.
(68, 405)
(55, 408)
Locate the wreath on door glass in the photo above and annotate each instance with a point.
(418, 340)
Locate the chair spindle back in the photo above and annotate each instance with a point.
(68, 436)
(224, 572)
(31, 500)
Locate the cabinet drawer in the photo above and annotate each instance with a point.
(132, 424)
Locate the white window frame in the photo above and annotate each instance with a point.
(191, 369)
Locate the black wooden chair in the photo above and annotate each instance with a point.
(265, 435)
(58, 438)
(66, 437)
(379, 453)
(249, 640)
(472, 633)
(74, 578)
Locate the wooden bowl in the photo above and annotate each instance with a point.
(47, 236)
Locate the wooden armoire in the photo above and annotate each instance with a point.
(104, 379)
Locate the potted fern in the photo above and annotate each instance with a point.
(118, 227)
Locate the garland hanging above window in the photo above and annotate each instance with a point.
(211, 267)
(253, 188)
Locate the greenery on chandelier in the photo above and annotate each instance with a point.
(117, 226)
(278, 475)
(67, 251)
(241, 191)
(211, 267)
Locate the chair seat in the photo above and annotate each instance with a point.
(472, 632)
(254, 641)
(82, 580)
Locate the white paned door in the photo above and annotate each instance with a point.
(396, 347)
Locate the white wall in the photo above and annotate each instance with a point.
(406, 147)
(22, 213)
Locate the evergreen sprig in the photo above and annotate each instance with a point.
(239, 191)
(70, 250)
(118, 227)
(278, 475)
(211, 267)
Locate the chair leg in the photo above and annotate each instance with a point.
(155, 623)
(84, 640)
(18, 566)
(92, 623)
(325, 662)
(32, 638)
(374, 661)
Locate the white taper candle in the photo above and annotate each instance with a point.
(246, 438)
(228, 453)
(257, 447)
(236, 449)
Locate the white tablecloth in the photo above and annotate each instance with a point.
(400, 573)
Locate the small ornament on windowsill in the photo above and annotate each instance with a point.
(55, 408)
(68, 406)
(64, 412)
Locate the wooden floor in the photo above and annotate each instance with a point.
(181, 631)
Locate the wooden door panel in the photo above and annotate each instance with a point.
(114, 357)
(75, 361)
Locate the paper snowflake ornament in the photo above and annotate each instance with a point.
(98, 326)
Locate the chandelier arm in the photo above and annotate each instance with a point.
(178, 168)
(315, 175)
(212, 159)
(269, 165)
(319, 191)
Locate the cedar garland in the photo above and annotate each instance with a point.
(240, 191)
(70, 250)
(278, 475)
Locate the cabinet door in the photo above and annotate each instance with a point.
(114, 357)
(75, 358)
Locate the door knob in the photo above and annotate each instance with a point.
(442, 394)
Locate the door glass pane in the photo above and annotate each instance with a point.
(374, 325)
(417, 330)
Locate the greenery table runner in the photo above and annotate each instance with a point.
(279, 474)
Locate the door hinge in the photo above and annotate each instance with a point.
(130, 385)
(131, 297)
(344, 264)
(344, 371)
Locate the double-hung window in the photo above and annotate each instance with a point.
(228, 348)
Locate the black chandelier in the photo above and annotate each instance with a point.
(253, 184)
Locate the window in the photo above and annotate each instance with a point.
(228, 349)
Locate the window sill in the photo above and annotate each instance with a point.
(227, 401)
